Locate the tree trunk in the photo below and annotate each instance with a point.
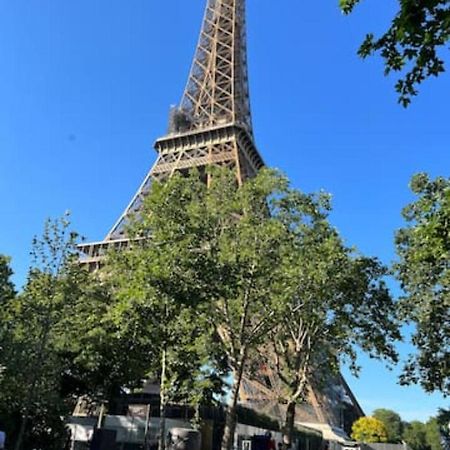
(288, 428)
(162, 403)
(230, 420)
(302, 345)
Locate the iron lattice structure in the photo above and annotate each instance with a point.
(212, 126)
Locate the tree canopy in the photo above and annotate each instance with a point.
(413, 44)
(443, 420)
(54, 346)
(236, 264)
(336, 302)
(32, 377)
(415, 435)
(430, 435)
(212, 257)
(393, 423)
(212, 276)
(433, 434)
(7, 290)
(370, 430)
(423, 269)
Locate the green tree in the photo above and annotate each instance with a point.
(7, 291)
(443, 419)
(370, 430)
(7, 294)
(216, 252)
(415, 435)
(97, 361)
(31, 369)
(334, 301)
(393, 423)
(412, 44)
(58, 344)
(158, 291)
(433, 434)
(250, 247)
(423, 269)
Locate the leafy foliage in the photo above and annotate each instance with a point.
(7, 291)
(30, 386)
(393, 423)
(335, 301)
(415, 435)
(412, 43)
(370, 430)
(423, 247)
(433, 434)
(55, 346)
(443, 420)
(211, 259)
(7, 294)
(425, 436)
(158, 286)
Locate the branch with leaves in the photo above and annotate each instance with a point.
(334, 301)
(423, 269)
(413, 44)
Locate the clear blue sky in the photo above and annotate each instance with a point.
(85, 88)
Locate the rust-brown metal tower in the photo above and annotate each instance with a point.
(211, 126)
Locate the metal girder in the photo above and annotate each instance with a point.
(217, 87)
(216, 126)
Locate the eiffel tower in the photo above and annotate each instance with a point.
(212, 126)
